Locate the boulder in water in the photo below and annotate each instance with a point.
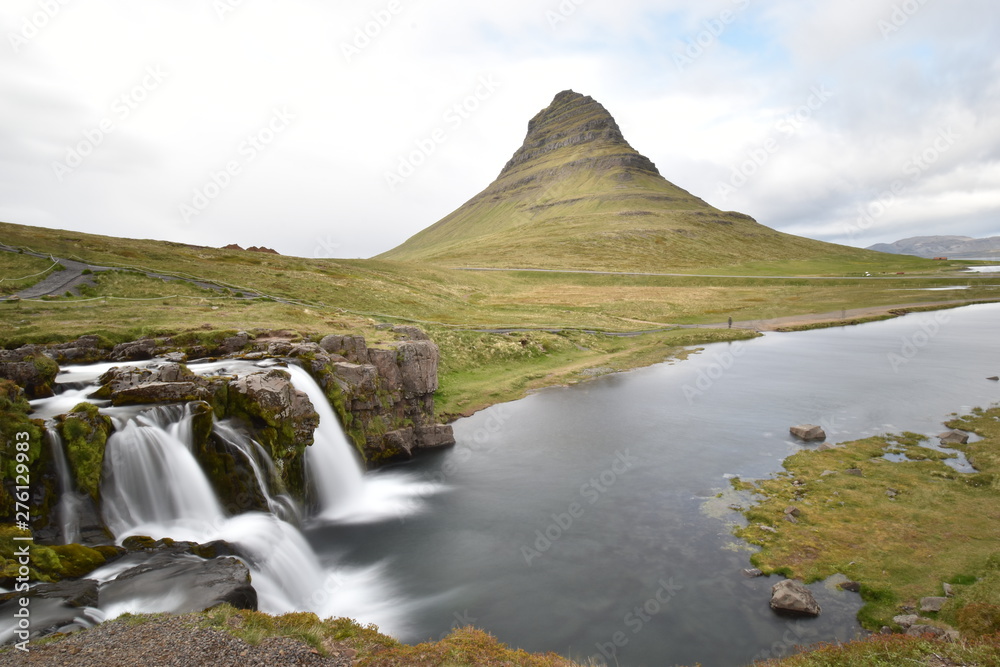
(808, 432)
(954, 438)
(792, 597)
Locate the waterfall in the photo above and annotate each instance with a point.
(280, 504)
(68, 509)
(152, 484)
(331, 462)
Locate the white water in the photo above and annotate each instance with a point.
(330, 461)
(69, 499)
(281, 504)
(345, 494)
(155, 487)
(152, 483)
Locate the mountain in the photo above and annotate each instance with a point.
(954, 247)
(576, 195)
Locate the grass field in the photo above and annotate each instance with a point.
(327, 296)
(901, 529)
(19, 271)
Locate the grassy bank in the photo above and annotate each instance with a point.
(334, 296)
(902, 528)
(365, 646)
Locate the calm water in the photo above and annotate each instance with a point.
(576, 521)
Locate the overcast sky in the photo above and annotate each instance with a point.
(339, 129)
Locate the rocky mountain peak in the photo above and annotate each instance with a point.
(576, 131)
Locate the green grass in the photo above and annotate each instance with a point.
(20, 271)
(354, 295)
(896, 651)
(465, 646)
(478, 370)
(940, 526)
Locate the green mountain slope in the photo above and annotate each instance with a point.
(576, 195)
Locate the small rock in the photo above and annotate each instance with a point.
(793, 511)
(920, 630)
(892, 493)
(827, 473)
(851, 587)
(932, 604)
(954, 438)
(791, 519)
(768, 528)
(854, 471)
(792, 597)
(808, 432)
(948, 591)
(886, 630)
(906, 620)
(826, 446)
(753, 573)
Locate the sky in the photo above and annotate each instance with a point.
(340, 129)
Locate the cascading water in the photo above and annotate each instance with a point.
(331, 464)
(280, 503)
(69, 499)
(346, 495)
(153, 485)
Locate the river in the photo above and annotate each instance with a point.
(581, 519)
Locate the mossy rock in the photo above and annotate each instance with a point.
(49, 563)
(228, 471)
(14, 426)
(85, 434)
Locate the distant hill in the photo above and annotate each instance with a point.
(953, 247)
(576, 195)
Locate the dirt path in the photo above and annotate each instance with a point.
(845, 316)
(67, 280)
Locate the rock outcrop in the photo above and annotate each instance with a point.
(31, 369)
(808, 432)
(954, 438)
(792, 597)
(384, 397)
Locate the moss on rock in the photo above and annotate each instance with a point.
(48, 563)
(25, 437)
(85, 434)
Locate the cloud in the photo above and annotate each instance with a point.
(371, 83)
